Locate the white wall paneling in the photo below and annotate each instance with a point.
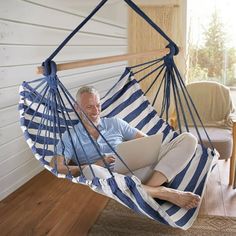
(10, 164)
(12, 148)
(19, 176)
(8, 116)
(32, 35)
(9, 132)
(33, 54)
(113, 12)
(39, 15)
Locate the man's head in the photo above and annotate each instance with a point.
(88, 100)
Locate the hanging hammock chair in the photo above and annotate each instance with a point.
(47, 111)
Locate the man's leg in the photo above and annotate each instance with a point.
(182, 199)
(172, 159)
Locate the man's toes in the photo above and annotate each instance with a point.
(197, 200)
(192, 204)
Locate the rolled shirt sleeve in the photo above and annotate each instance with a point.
(128, 132)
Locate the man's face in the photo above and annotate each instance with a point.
(90, 104)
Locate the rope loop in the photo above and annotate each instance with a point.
(50, 68)
(46, 67)
(50, 72)
(174, 50)
(168, 59)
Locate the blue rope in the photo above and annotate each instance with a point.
(156, 78)
(164, 95)
(96, 128)
(150, 73)
(181, 105)
(154, 26)
(36, 97)
(37, 108)
(46, 63)
(67, 95)
(58, 123)
(47, 132)
(86, 156)
(181, 83)
(153, 62)
(42, 120)
(57, 119)
(174, 88)
(61, 103)
(184, 89)
(56, 129)
(159, 89)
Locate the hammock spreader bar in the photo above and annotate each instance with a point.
(105, 60)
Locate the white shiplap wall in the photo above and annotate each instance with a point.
(29, 33)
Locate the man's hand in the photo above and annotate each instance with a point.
(108, 159)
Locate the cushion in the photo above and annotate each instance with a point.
(221, 139)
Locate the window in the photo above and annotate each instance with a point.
(212, 42)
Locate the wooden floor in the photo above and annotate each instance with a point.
(50, 206)
(219, 198)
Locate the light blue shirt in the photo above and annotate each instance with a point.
(113, 129)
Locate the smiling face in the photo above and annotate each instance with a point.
(90, 104)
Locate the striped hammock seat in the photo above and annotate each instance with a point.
(47, 111)
(126, 101)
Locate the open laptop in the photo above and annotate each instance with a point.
(138, 153)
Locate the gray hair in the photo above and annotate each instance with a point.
(85, 89)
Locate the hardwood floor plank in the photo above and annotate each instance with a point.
(83, 225)
(213, 195)
(229, 195)
(33, 204)
(67, 210)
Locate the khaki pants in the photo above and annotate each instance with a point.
(172, 159)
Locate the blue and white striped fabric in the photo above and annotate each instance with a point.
(125, 100)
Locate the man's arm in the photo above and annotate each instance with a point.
(62, 168)
(139, 134)
(75, 170)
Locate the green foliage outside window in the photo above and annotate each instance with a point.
(213, 60)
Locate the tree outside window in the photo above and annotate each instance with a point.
(213, 59)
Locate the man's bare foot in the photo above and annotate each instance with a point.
(182, 199)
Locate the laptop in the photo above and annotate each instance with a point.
(138, 153)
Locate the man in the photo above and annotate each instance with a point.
(172, 158)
